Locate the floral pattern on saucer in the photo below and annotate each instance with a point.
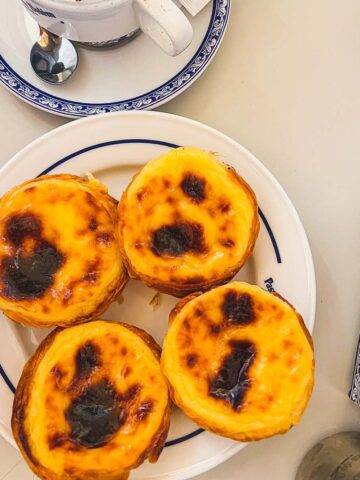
(354, 393)
(46, 101)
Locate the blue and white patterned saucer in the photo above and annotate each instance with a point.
(137, 76)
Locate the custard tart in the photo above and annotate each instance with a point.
(239, 361)
(92, 403)
(59, 257)
(187, 222)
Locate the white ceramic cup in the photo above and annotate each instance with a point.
(108, 22)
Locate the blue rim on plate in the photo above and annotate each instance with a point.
(49, 169)
(33, 95)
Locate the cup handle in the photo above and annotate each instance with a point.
(165, 24)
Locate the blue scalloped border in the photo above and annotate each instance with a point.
(23, 89)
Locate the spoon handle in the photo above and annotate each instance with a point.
(48, 40)
(354, 392)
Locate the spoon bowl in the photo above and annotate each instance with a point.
(54, 59)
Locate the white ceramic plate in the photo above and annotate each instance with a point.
(113, 147)
(136, 76)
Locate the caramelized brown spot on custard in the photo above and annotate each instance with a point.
(70, 470)
(194, 187)
(50, 403)
(124, 351)
(28, 272)
(87, 359)
(105, 238)
(185, 339)
(215, 329)
(287, 344)
(177, 239)
(66, 296)
(191, 360)
(94, 417)
(93, 225)
(260, 307)
(126, 372)
(56, 440)
(166, 183)
(238, 308)
(114, 340)
(68, 197)
(144, 410)
(90, 277)
(290, 362)
(148, 212)
(19, 227)
(92, 269)
(98, 413)
(228, 243)
(57, 373)
(231, 382)
(140, 195)
(224, 207)
(186, 324)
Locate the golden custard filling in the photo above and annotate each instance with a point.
(92, 402)
(239, 361)
(59, 257)
(187, 221)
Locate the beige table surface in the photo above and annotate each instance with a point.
(286, 85)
